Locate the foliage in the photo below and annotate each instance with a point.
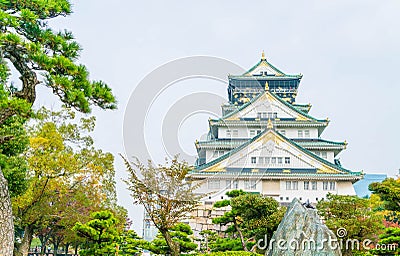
(130, 243)
(389, 191)
(252, 216)
(164, 192)
(68, 177)
(100, 233)
(352, 213)
(180, 233)
(38, 55)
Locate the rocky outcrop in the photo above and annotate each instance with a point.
(302, 233)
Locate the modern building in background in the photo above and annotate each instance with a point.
(267, 143)
(361, 186)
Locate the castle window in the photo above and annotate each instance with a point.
(300, 133)
(283, 132)
(253, 160)
(306, 185)
(325, 185)
(261, 160)
(213, 184)
(307, 133)
(267, 160)
(235, 133)
(258, 131)
(235, 184)
(314, 185)
(228, 133)
(250, 184)
(288, 185)
(273, 160)
(252, 133)
(228, 184)
(324, 155)
(279, 160)
(287, 160)
(332, 185)
(295, 185)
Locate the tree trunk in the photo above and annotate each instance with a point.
(240, 236)
(173, 246)
(23, 248)
(76, 249)
(66, 249)
(6, 219)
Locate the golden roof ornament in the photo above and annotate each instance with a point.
(266, 86)
(263, 56)
(270, 125)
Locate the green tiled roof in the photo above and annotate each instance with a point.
(263, 60)
(233, 151)
(263, 123)
(276, 97)
(351, 175)
(303, 107)
(305, 143)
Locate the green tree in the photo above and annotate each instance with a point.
(68, 178)
(100, 233)
(252, 216)
(352, 213)
(389, 191)
(165, 193)
(40, 56)
(130, 243)
(180, 235)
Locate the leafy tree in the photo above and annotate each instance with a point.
(68, 178)
(40, 56)
(252, 216)
(389, 191)
(165, 194)
(100, 233)
(352, 213)
(180, 235)
(131, 244)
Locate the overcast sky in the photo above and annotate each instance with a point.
(348, 51)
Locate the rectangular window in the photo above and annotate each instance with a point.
(314, 185)
(295, 185)
(228, 133)
(307, 133)
(283, 132)
(332, 185)
(288, 185)
(235, 184)
(218, 153)
(267, 160)
(228, 184)
(258, 131)
(324, 155)
(253, 160)
(261, 160)
(252, 133)
(300, 133)
(250, 184)
(235, 133)
(273, 160)
(280, 160)
(259, 115)
(287, 160)
(325, 185)
(213, 184)
(306, 185)
(264, 115)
